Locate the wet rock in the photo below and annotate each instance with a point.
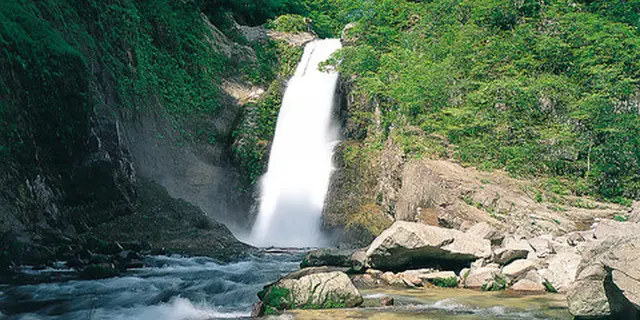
(359, 261)
(258, 310)
(364, 281)
(391, 279)
(407, 244)
(311, 289)
(327, 257)
(386, 301)
(562, 270)
(134, 264)
(99, 258)
(98, 271)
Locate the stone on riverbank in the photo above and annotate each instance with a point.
(311, 288)
(406, 245)
(608, 280)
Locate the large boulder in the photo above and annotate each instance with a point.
(512, 249)
(517, 269)
(610, 228)
(530, 283)
(408, 245)
(311, 288)
(562, 270)
(486, 231)
(542, 246)
(608, 282)
(481, 278)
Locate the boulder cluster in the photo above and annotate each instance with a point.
(598, 270)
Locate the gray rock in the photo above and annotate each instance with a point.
(587, 296)
(407, 244)
(258, 310)
(518, 268)
(574, 238)
(311, 289)
(530, 283)
(562, 270)
(511, 250)
(481, 277)
(359, 261)
(634, 216)
(608, 228)
(608, 282)
(542, 246)
(485, 231)
(327, 257)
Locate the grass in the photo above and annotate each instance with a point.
(451, 282)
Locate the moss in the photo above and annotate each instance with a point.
(451, 282)
(276, 298)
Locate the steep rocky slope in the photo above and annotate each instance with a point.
(105, 107)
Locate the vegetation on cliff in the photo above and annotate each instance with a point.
(540, 89)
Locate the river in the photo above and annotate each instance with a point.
(197, 288)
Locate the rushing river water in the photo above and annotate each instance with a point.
(173, 289)
(177, 288)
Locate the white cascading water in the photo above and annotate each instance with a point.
(300, 166)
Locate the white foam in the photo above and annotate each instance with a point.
(300, 161)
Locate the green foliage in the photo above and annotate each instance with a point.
(63, 58)
(549, 287)
(537, 89)
(276, 62)
(499, 283)
(289, 23)
(276, 298)
(620, 218)
(451, 282)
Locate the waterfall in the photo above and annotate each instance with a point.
(294, 187)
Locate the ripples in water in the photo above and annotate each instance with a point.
(173, 288)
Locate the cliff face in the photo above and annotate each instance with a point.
(100, 104)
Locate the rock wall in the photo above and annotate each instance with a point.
(77, 156)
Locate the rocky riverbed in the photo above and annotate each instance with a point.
(597, 269)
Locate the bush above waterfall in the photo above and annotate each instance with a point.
(537, 89)
(289, 23)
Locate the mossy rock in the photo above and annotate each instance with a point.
(311, 288)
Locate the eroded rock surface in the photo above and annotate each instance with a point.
(406, 245)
